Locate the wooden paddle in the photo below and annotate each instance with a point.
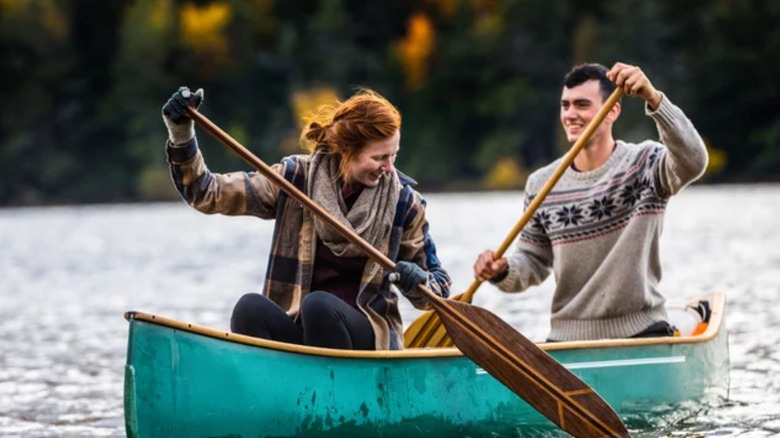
(493, 344)
(427, 330)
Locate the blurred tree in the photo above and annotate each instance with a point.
(726, 51)
(477, 82)
(148, 34)
(488, 94)
(202, 34)
(56, 58)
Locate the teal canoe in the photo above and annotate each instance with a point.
(184, 380)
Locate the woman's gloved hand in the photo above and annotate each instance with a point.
(407, 276)
(180, 127)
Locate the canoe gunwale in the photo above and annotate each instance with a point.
(717, 301)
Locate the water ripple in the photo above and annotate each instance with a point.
(69, 273)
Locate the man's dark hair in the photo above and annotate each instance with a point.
(586, 72)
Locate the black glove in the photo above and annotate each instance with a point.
(176, 107)
(407, 276)
(180, 127)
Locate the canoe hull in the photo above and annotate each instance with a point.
(183, 383)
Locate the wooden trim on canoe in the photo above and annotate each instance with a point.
(717, 304)
(292, 348)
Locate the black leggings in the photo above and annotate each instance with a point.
(326, 321)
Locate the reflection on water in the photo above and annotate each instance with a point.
(67, 274)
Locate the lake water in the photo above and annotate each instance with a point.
(67, 275)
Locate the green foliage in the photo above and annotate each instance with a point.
(730, 49)
(477, 82)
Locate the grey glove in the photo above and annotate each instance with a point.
(180, 127)
(407, 276)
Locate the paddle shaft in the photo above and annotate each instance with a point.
(431, 334)
(490, 342)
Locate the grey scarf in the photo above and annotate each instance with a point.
(371, 217)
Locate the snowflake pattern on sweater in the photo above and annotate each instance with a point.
(586, 213)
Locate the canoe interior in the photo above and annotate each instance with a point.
(186, 380)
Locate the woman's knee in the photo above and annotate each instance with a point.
(249, 305)
(250, 300)
(319, 303)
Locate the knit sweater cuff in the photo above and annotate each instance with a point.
(511, 278)
(178, 154)
(500, 277)
(666, 113)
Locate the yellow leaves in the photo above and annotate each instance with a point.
(202, 29)
(415, 49)
(304, 102)
(506, 173)
(717, 160)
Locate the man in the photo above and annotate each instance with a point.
(598, 230)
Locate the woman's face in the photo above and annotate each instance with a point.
(374, 160)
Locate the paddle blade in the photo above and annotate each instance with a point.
(416, 335)
(528, 371)
(427, 330)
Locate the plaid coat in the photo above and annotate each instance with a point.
(291, 262)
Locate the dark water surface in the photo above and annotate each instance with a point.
(67, 275)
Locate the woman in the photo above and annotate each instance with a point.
(320, 290)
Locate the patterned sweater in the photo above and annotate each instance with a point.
(599, 232)
(291, 262)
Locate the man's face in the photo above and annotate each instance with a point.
(375, 159)
(579, 105)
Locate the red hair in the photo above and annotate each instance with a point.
(346, 128)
